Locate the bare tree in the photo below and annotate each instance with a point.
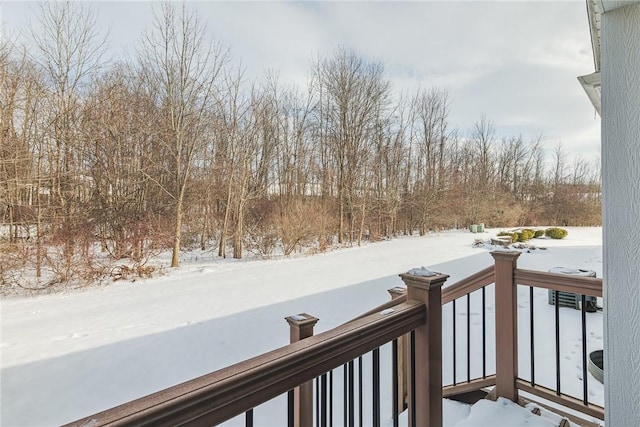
(351, 93)
(22, 151)
(431, 112)
(483, 161)
(483, 137)
(69, 50)
(121, 121)
(391, 168)
(180, 68)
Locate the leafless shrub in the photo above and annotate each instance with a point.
(125, 272)
(301, 223)
(261, 239)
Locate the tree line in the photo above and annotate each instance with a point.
(175, 148)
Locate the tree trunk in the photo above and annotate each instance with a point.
(204, 234)
(237, 236)
(222, 248)
(175, 254)
(362, 215)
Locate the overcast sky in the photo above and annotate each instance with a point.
(515, 62)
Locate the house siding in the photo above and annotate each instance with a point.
(620, 76)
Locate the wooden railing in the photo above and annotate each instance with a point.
(468, 285)
(221, 395)
(224, 394)
(508, 382)
(582, 287)
(507, 277)
(462, 291)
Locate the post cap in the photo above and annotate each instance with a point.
(424, 282)
(505, 254)
(301, 320)
(397, 291)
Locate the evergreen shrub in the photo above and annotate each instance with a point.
(527, 234)
(556, 233)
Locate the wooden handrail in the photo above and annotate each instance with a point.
(389, 304)
(562, 282)
(468, 284)
(221, 395)
(465, 387)
(459, 289)
(564, 399)
(590, 286)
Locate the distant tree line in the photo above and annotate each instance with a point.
(174, 148)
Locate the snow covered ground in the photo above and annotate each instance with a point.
(65, 356)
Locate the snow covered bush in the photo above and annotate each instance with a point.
(514, 236)
(538, 233)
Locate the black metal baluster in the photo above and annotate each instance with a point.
(454, 341)
(352, 400)
(412, 364)
(323, 400)
(376, 387)
(394, 386)
(468, 338)
(248, 418)
(331, 398)
(484, 335)
(360, 391)
(345, 388)
(533, 366)
(585, 391)
(290, 405)
(556, 295)
(317, 401)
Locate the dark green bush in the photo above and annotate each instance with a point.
(538, 233)
(556, 233)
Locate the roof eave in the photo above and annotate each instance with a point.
(591, 85)
(594, 11)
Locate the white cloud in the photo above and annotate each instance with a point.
(516, 62)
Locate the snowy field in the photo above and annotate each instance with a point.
(65, 356)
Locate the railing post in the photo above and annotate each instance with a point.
(506, 324)
(428, 350)
(301, 327)
(399, 292)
